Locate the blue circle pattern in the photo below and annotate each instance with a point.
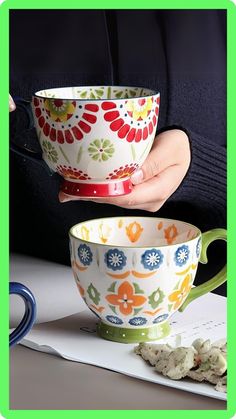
(115, 259)
(182, 255)
(152, 259)
(198, 247)
(85, 254)
(161, 318)
(137, 321)
(114, 319)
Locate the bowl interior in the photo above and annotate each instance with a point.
(96, 92)
(135, 231)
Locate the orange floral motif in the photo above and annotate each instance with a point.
(74, 265)
(134, 231)
(119, 276)
(191, 266)
(171, 233)
(152, 313)
(142, 275)
(179, 295)
(160, 225)
(81, 290)
(126, 299)
(134, 273)
(99, 309)
(81, 268)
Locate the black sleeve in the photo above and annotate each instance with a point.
(196, 80)
(205, 182)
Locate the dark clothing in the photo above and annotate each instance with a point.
(181, 53)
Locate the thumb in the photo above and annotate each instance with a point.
(149, 169)
(168, 148)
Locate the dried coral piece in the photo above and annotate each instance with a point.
(202, 361)
(152, 352)
(222, 384)
(177, 364)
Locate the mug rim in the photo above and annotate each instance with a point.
(71, 234)
(153, 93)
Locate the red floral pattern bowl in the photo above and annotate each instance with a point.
(96, 137)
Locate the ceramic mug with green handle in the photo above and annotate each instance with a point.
(134, 273)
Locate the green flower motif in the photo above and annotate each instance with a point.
(50, 151)
(112, 287)
(125, 93)
(91, 93)
(128, 93)
(93, 294)
(156, 298)
(137, 289)
(101, 150)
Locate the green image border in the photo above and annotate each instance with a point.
(4, 204)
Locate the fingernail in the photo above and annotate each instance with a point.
(63, 198)
(137, 177)
(12, 105)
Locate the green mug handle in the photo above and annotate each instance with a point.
(207, 238)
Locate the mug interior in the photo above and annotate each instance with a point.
(135, 231)
(96, 92)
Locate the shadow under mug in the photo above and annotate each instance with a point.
(30, 312)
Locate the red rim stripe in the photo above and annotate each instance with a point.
(118, 188)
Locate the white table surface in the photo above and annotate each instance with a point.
(53, 286)
(41, 381)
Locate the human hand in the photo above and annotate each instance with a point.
(12, 105)
(159, 177)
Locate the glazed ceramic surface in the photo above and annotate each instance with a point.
(30, 312)
(96, 137)
(135, 272)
